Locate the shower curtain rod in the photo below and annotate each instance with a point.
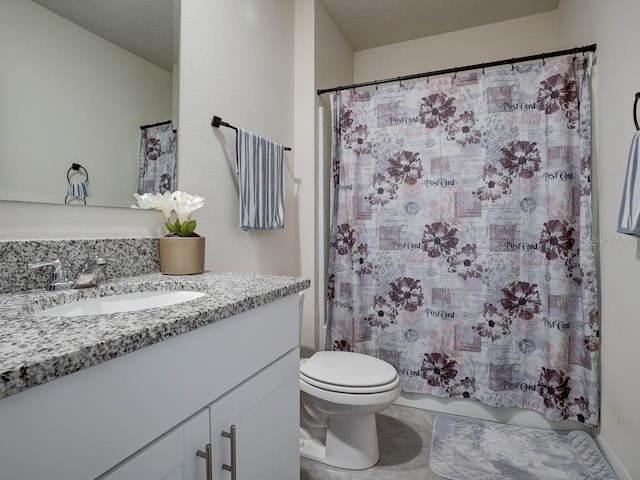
(477, 66)
(166, 122)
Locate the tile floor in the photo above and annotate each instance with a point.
(404, 439)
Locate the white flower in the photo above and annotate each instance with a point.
(146, 201)
(180, 202)
(166, 203)
(185, 204)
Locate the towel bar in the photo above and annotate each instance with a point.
(218, 122)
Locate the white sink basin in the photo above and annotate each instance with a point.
(126, 302)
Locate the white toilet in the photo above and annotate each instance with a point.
(340, 393)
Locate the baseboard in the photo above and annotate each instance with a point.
(615, 464)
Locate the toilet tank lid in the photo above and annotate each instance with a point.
(348, 369)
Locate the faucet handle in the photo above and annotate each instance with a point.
(104, 261)
(109, 259)
(58, 277)
(100, 260)
(57, 272)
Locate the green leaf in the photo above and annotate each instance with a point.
(187, 228)
(170, 227)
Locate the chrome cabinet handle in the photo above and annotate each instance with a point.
(232, 436)
(208, 458)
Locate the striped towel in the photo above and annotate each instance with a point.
(77, 189)
(629, 217)
(259, 165)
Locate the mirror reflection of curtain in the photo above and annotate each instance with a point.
(157, 162)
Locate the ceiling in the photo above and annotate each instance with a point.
(146, 27)
(143, 27)
(373, 23)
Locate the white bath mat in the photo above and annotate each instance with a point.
(469, 449)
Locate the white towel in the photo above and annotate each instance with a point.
(259, 164)
(629, 217)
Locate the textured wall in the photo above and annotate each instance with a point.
(237, 63)
(513, 38)
(613, 26)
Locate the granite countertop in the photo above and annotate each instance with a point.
(37, 349)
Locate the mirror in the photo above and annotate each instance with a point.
(80, 77)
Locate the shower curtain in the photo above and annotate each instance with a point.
(461, 248)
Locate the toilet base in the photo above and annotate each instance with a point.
(351, 443)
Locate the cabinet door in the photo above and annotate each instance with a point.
(171, 457)
(265, 411)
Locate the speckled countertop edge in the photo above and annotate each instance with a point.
(35, 350)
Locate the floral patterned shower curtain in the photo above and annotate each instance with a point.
(461, 248)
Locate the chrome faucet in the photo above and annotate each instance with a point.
(87, 277)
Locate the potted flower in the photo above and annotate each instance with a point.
(181, 250)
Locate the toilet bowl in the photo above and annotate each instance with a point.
(340, 393)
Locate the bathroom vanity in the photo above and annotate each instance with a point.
(166, 392)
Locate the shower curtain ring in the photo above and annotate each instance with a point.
(483, 69)
(543, 60)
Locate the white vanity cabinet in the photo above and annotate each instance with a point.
(171, 457)
(145, 414)
(256, 416)
(266, 433)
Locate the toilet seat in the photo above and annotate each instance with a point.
(348, 372)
